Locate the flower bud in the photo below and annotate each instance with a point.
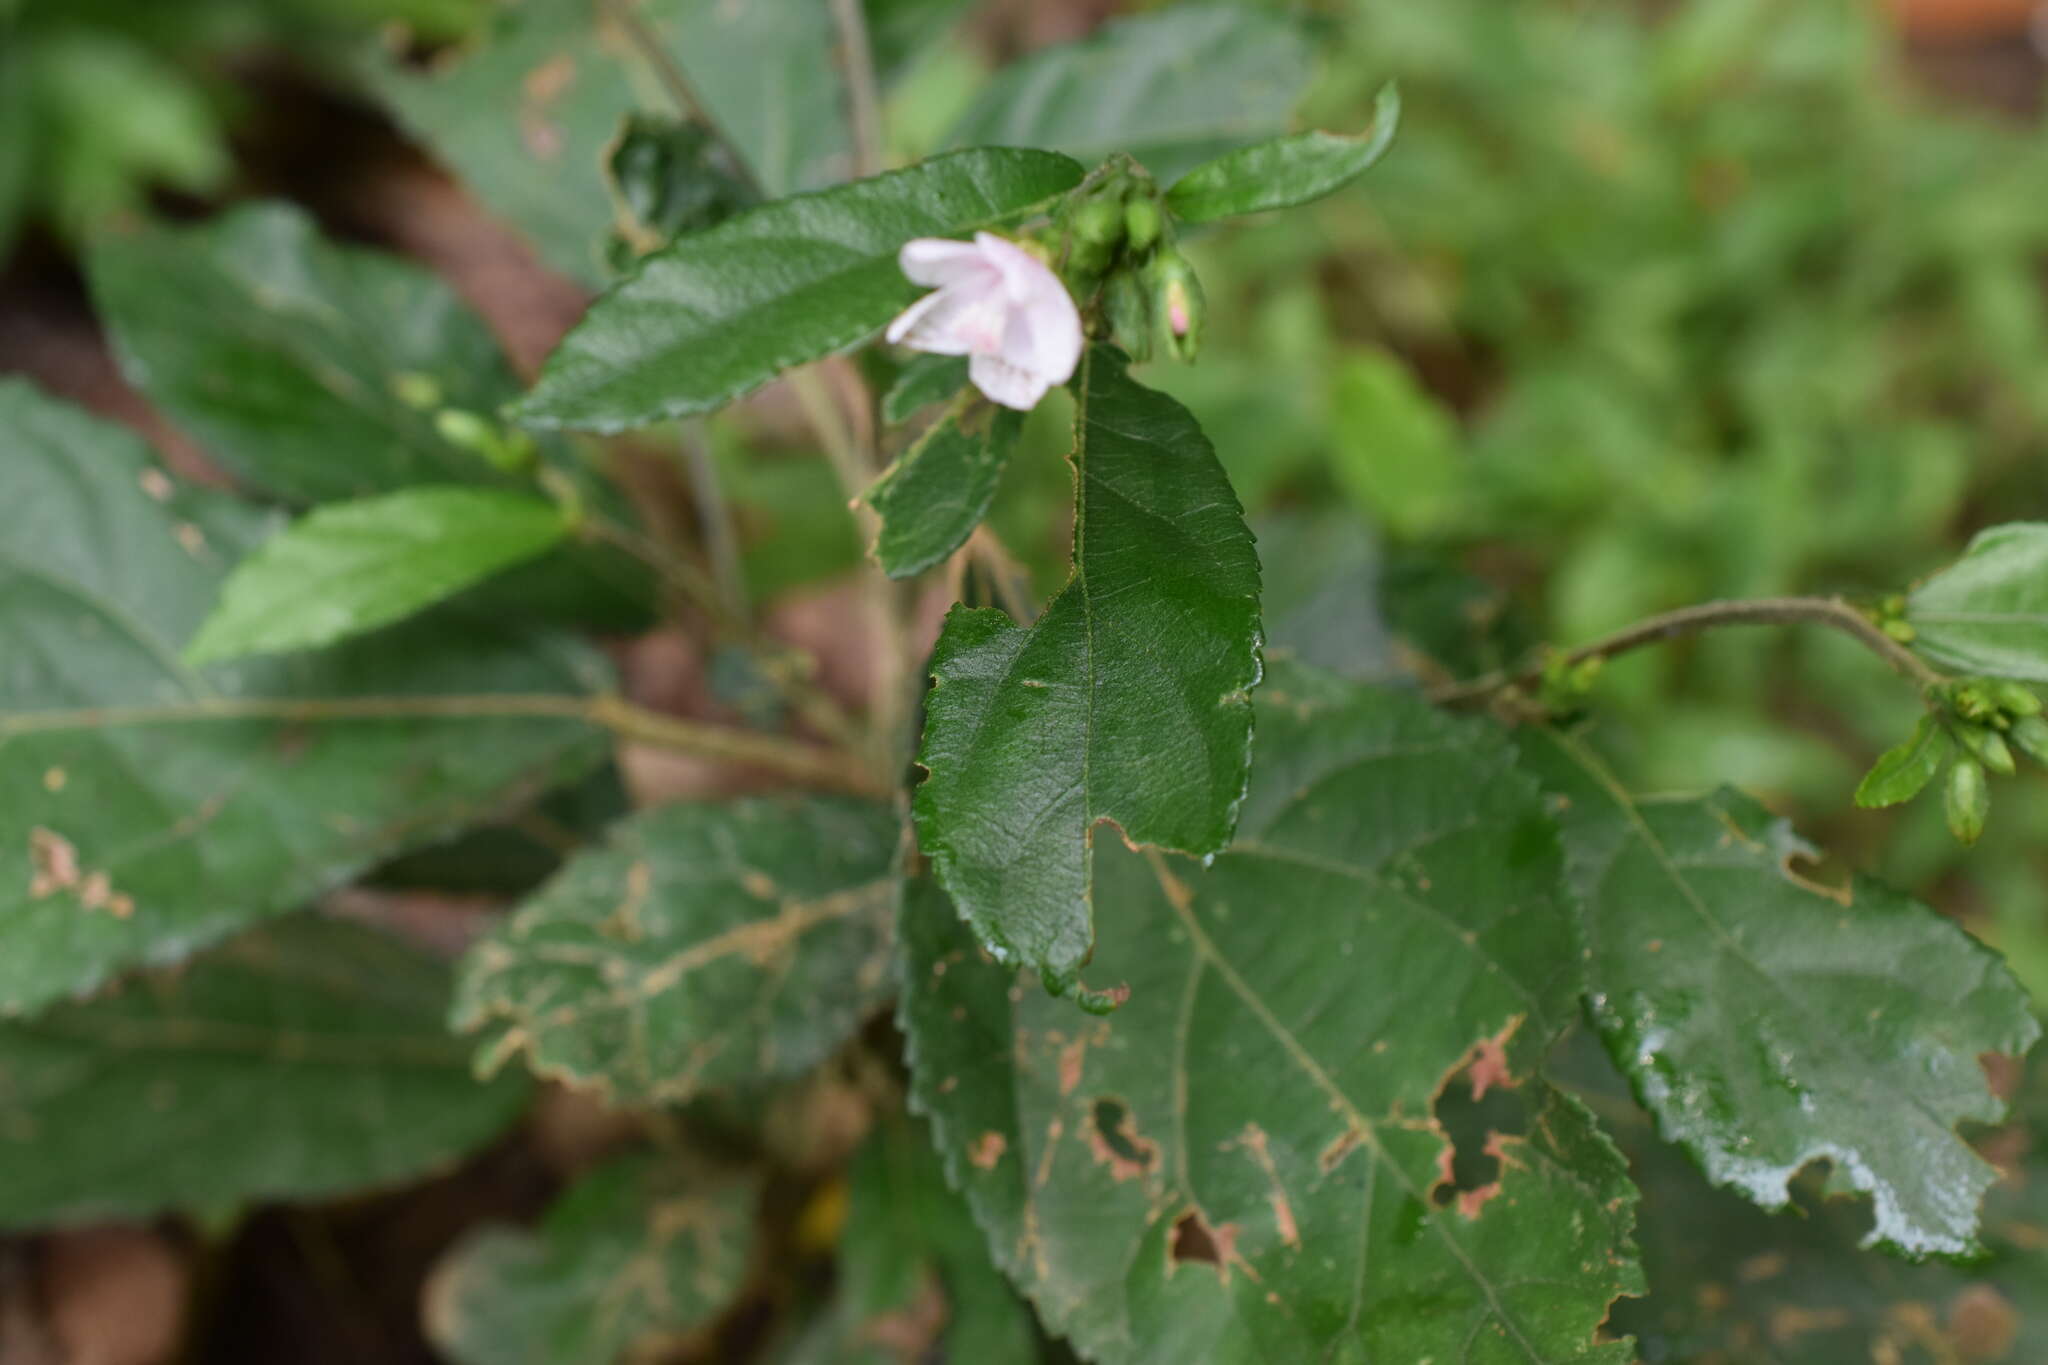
(1128, 305)
(1098, 222)
(1969, 802)
(1143, 222)
(2016, 698)
(513, 453)
(2030, 734)
(1177, 299)
(1989, 748)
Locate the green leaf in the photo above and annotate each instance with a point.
(1988, 612)
(914, 1278)
(348, 568)
(936, 493)
(1245, 1162)
(1768, 1020)
(1396, 449)
(707, 946)
(638, 1251)
(720, 312)
(147, 1098)
(1172, 88)
(1901, 772)
(151, 807)
(1319, 579)
(1128, 700)
(286, 355)
(1283, 172)
(529, 114)
(925, 380)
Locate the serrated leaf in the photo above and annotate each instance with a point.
(721, 312)
(285, 354)
(527, 113)
(1128, 700)
(1244, 1162)
(1768, 1020)
(351, 567)
(1902, 771)
(1988, 612)
(706, 946)
(926, 379)
(1173, 88)
(141, 1101)
(935, 494)
(914, 1278)
(153, 808)
(1284, 172)
(639, 1249)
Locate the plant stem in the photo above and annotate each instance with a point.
(714, 521)
(1755, 611)
(790, 758)
(857, 57)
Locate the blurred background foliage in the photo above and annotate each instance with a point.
(1651, 303)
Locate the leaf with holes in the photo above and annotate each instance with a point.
(1988, 612)
(528, 113)
(139, 1101)
(708, 946)
(1770, 1021)
(351, 567)
(1128, 700)
(935, 494)
(1284, 172)
(152, 807)
(639, 1250)
(1173, 88)
(721, 312)
(1247, 1162)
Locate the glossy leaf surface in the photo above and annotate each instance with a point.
(1988, 612)
(706, 946)
(936, 493)
(1769, 1020)
(1245, 1162)
(1128, 700)
(153, 807)
(720, 312)
(302, 1059)
(1283, 172)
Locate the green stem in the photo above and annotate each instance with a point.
(1755, 611)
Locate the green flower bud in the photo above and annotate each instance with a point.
(2016, 698)
(1969, 800)
(1902, 631)
(420, 392)
(1989, 748)
(1177, 300)
(512, 452)
(1143, 223)
(1097, 222)
(1128, 306)
(2030, 733)
(1972, 701)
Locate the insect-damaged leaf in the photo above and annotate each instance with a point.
(936, 493)
(719, 312)
(1128, 700)
(142, 1100)
(1243, 1163)
(1769, 1021)
(706, 946)
(151, 807)
(1988, 612)
(641, 1248)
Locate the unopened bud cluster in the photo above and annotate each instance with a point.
(1989, 717)
(1117, 246)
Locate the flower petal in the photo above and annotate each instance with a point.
(962, 320)
(938, 261)
(1044, 336)
(1005, 383)
(1024, 276)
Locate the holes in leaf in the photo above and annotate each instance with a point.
(1193, 1241)
(1114, 1139)
(1480, 1117)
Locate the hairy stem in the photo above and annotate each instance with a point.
(1755, 611)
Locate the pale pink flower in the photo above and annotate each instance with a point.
(997, 304)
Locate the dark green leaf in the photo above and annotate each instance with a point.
(1988, 612)
(723, 311)
(351, 567)
(1173, 88)
(152, 808)
(670, 177)
(936, 493)
(302, 1059)
(707, 946)
(927, 379)
(1245, 1163)
(1901, 772)
(639, 1250)
(1128, 700)
(1283, 172)
(286, 355)
(1768, 1020)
